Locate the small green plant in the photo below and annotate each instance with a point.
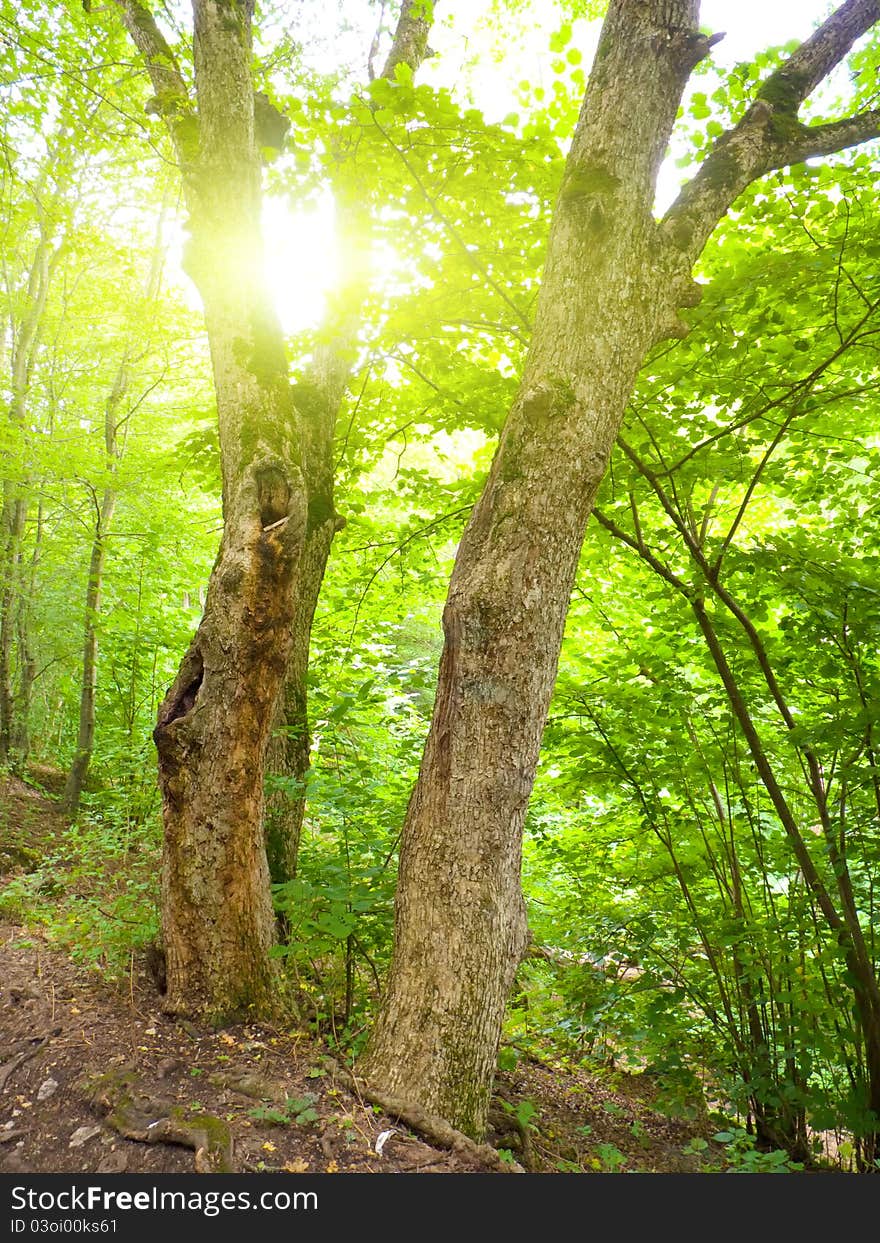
(745, 1158)
(696, 1146)
(639, 1133)
(508, 1057)
(610, 1158)
(296, 1110)
(524, 1112)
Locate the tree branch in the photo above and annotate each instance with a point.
(770, 135)
(814, 140)
(826, 47)
(172, 101)
(410, 45)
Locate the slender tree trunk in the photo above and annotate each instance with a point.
(85, 739)
(612, 287)
(13, 518)
(115, 434)
(323, 394)
(27, 665)
(288, 755)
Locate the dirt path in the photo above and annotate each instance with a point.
(95, 1078)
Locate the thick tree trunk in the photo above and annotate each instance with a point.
(612, 287)
(460, 920)
(213, 726)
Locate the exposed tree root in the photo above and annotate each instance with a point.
(10, 1067)
(430, 1125)
(133, 1115)
(504, 1124)
(257, 1087)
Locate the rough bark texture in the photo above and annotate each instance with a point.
(613, 285)
(213, 725)
(288, 755)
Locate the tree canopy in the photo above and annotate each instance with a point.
(700, 853)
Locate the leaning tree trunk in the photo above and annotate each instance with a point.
(613, 283)
(213, 725)
(460, 920)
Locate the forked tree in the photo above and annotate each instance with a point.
(276, 442)
(614, 283)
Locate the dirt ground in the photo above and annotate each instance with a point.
(95, 1078)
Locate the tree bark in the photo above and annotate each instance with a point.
(613, 285)
(213, 725)
(289, 748)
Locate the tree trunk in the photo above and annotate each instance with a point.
(460, 921)
(288, 756)
(612, 287)
(85, 740)
(213, 725)
(13, 519)
(12, 524)
(115, 433)
(323, 394)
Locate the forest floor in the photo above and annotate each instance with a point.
(95, 1078)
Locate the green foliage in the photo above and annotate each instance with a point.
(96, 894)
(296, 1111)
(680, 935)
(609, 1158)
(745, 1158)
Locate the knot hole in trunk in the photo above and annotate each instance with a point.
(191, 682)
(273, 495)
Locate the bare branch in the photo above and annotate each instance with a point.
(770, 135)
(814, 140)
